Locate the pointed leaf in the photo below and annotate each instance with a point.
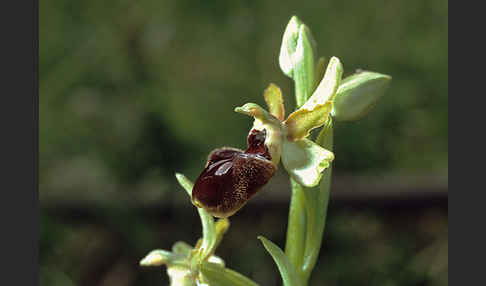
(217, 275)
(358, 94)
(302, 121)
(287, 270)
(305, 161)
(273, 98)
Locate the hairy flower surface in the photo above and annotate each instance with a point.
(232, 176)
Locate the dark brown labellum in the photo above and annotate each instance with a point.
(232, 176)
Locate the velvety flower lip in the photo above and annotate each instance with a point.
(232, 176)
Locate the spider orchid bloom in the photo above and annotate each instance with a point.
(232, 176)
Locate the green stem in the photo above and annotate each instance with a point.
(295, 244)
(317, 200)
(308, 207)
(303, 76)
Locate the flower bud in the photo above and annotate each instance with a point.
(358, 94)
(232, 176)
(296, 58)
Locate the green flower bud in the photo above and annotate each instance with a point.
(289, 46)
(358, 94)
(296, 58)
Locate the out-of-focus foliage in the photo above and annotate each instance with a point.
(130, 89)
(133, 91)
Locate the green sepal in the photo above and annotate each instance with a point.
(327, 88)
(158, 257)
(317, 109)
(258, 112)
(358, 94)
(319, 72)
(305, 161)
(287, 270)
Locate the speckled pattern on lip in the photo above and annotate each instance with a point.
(232, 176)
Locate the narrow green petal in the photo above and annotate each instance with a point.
(273, 98)
(287, 271)
(358, 94)
(302, 121)
(255, 110)
(305, 161)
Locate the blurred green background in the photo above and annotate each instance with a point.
(133, 91)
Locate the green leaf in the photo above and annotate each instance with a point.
(358, 94)
(209, 238)
(305, 161)
(217, 275)
(287, 271)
